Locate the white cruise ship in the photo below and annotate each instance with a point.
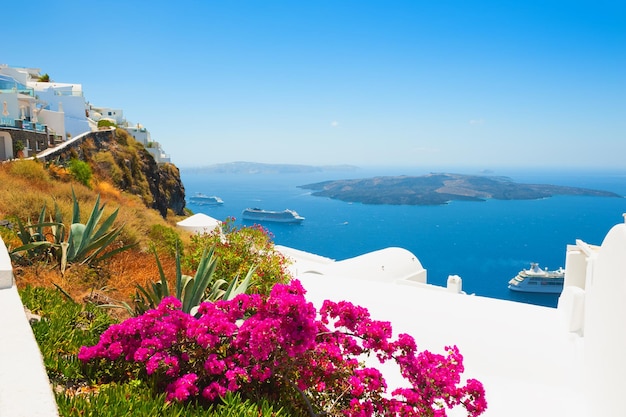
(285, 216)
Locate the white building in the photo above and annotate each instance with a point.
(142, 135)
(60, 106)
(18, 103)
(107, 113)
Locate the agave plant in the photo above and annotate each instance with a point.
(35, 241)
(88, 243)
(191, 291)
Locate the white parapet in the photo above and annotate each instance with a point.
(454, 284)
(24, 386)
(605, 334)
(6, 270)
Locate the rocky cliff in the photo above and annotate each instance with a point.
(115, 156)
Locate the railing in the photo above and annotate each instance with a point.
(22, 124)
(7, 121)
(25, 91)
(68, 93)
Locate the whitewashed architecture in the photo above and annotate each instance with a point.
(114, 115)
(60, 106)
(57, 109)
(19, 113)
(142, 135)
(199, 223)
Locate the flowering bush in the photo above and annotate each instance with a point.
(280, 345)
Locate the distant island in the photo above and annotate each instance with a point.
(240, 167)
(440, 188)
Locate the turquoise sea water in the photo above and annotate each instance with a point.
(486, 243)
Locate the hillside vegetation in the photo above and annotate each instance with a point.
(117, 176)
(27, 186)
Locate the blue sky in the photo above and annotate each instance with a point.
(397, 83)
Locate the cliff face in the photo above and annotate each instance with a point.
(115, 156)
(169, 192)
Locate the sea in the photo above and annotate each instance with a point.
(486, 243)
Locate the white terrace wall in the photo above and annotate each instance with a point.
(6, 269)
(24, 386)
(604, 326)
(593, 304)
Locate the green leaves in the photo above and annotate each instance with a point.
(65, 327)
(87, 242)
(191, 291)
(81, 171)
(138, 399)
(35, 244)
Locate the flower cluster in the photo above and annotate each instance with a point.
(251, 343)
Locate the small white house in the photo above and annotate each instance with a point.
(115, 115)
(199, 223)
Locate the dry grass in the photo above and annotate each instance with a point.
(112, 282)
(106, 190)
(26, 186)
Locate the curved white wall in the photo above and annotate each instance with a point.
(24, 386)
(605, 327)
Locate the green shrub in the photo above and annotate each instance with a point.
(239, 250)
(165, 239)
(18, 149)
(81, 171)
(106, 123)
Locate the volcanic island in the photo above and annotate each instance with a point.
(440, 188)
